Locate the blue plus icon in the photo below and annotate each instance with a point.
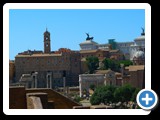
(147, 99)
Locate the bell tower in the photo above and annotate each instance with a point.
(47, 46)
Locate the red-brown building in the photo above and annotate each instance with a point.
(51, 65)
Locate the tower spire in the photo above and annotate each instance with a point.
(47, 47)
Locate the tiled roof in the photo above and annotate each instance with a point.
(135, 67)
(88, 51)
(39, 55)
(92, 51)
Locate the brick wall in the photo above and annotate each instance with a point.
(60, 101)
(17, 98)
(55, 63)
(136, 78)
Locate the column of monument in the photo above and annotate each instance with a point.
(34, 80)
(80, 89)
(51, 81)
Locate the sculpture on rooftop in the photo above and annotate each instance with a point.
(142, 32)
(88, 38)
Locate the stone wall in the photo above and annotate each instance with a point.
(54, 63)
(136, 78)
(34, 103)
(37, 100)
(50, 99)
(59, 101)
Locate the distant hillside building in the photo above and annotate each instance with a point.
(139, 57)
(90, 48)
(133, 75)
(50, 66)
(128, 49)
(124, 47)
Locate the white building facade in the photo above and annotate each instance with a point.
(129, 49)
(139, 45)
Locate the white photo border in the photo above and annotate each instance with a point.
(9, 6)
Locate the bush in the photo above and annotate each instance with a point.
(102, 94)
(92, 63)
(77, 99)
(123, 93)
(115, 65)
(110, 94)
(134, 95)
(95, 100)
(126, 62)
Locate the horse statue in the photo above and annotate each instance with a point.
(89, 38)
(143, 33)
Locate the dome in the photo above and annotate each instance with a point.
(139, 54)
(142, 37)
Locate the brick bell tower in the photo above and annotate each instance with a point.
(47, 46)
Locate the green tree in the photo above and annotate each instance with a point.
(103, 94)
(134, 95)
(92, 63)
(107, 94)
(106, 63)
(95, 100)
(124, 93)
(115, 65)
(126, 62)
(112, 64)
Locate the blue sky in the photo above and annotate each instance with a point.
(68, 27)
